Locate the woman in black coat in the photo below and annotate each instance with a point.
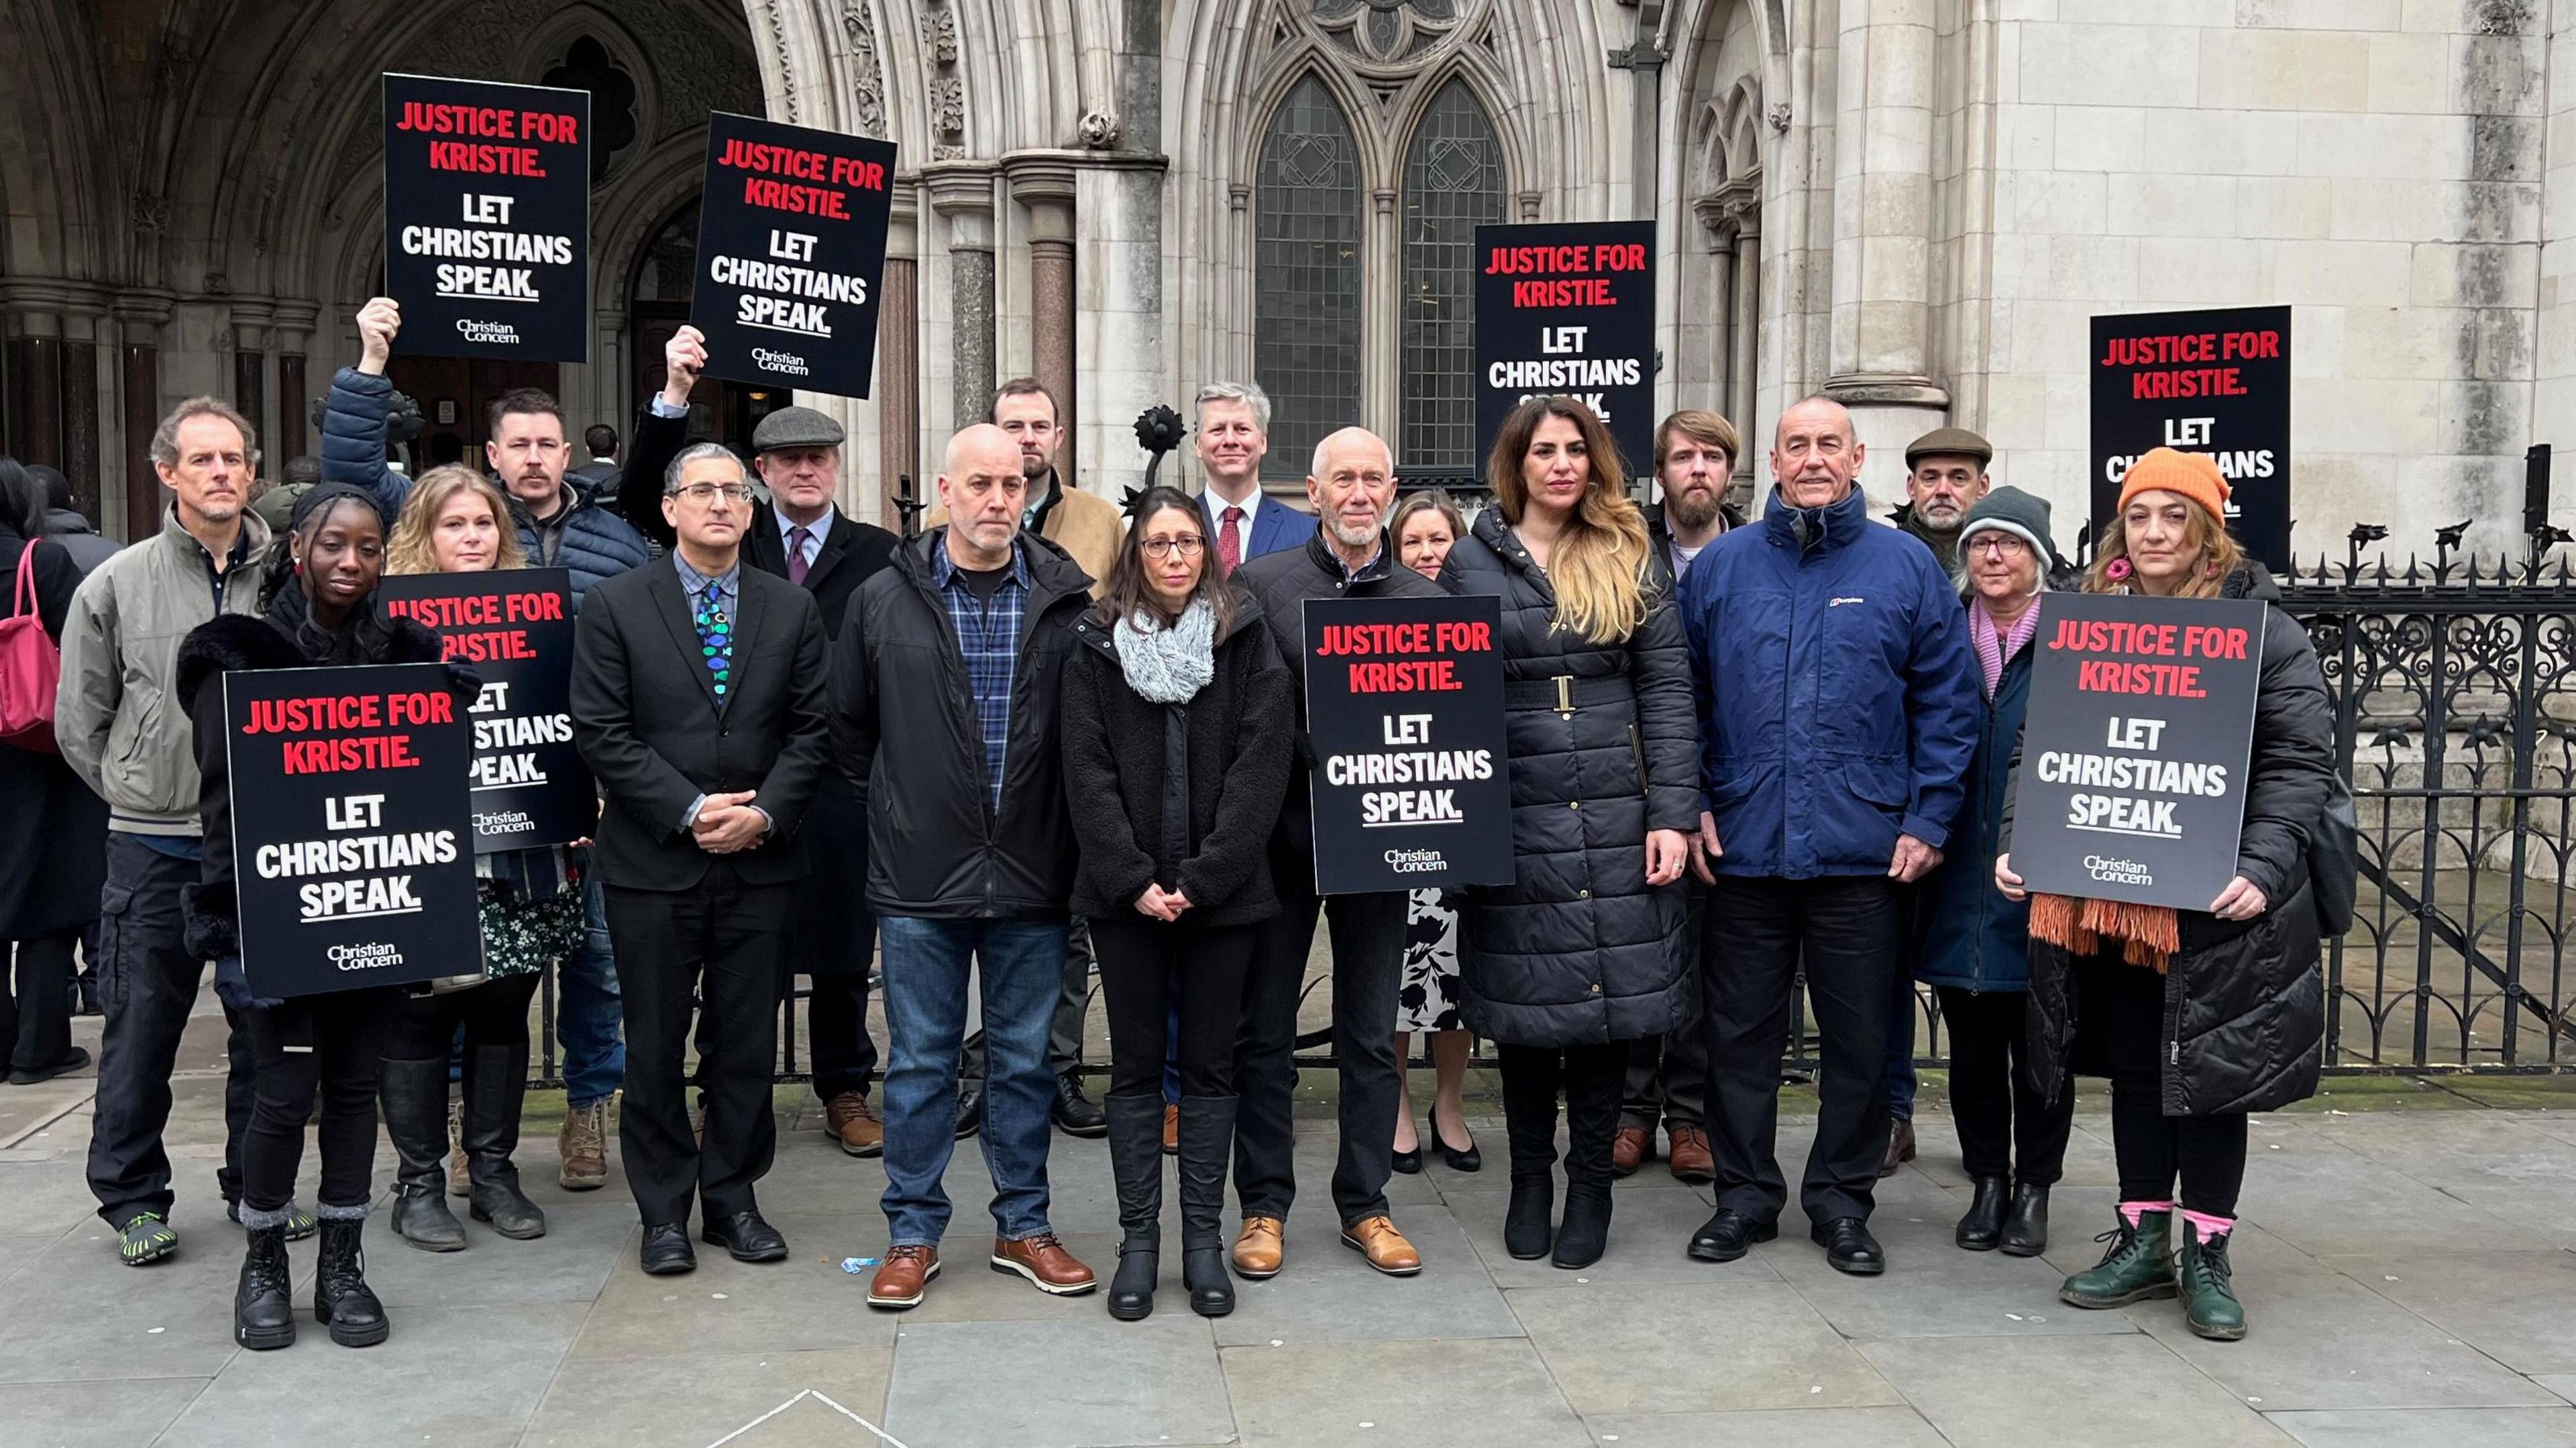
(2197, 1016)
(1178, 728)
(1586, 951)
(318, 607)
(53, 835)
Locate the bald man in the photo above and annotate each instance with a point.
(1352, 488)
(970, 851)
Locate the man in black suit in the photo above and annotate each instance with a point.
(802, 537)
(698, 701)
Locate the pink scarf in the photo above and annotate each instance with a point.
(1994, 649)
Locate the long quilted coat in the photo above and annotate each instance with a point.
(1580, 949)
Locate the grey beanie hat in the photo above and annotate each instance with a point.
(2024, 515)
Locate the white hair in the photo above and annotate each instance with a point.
(1315, 467)
(1247, 393)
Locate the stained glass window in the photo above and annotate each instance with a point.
(1453, 180)
(1306, 315)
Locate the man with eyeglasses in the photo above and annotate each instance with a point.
(698, 701)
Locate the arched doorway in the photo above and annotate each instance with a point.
(657, 305)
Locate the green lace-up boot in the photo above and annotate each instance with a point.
(2209, 1304)
(2137, 1267)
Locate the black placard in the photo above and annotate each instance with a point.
(791, 248)
(2133, 759)
(487, 218)
(2214, 382)
(515, 629)
(1404, 706)
(352, 835)
(1568, 308)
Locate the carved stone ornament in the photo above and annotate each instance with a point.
(867, 77)
(939, 36)
(1778, 115)
(151, 213)
(947, 107)
(1098, 130)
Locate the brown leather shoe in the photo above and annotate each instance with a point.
(1258, 1252)
(1171, 1130)
(849, 1121)
(1043, 1260)
(906, 1273)
(1900, 1147)
(1690, 1157)
(1377, 1239)
(1630, 1148)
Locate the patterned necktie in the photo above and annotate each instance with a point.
(797, 538)
(1229, 542)
(715, 638)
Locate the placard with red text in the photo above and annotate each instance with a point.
(487, 218)
(2215, 382)
(2135, 748)
(791, 249)
(1404, 711)
(353, 851)
(515, 629)
(1568, 309)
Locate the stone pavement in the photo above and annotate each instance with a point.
(2407, 1267)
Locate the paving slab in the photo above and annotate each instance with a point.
(1494, 1393)
(2434, 1428)
(49, 1198)
(2068, 1392)
(74, 1311)
(1327, 1292)
(1932, 1289)
(642, 1400)
(2452, 1149)
(2516, 1307)
(93, 1415)
(1650, 1226)
(1768, 1428)
(1686, 1348)
(1104, 1384)
(570, 1263)
(805, 1303)
(2338, 1201)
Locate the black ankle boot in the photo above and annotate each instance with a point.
(414, 1095)
(1136, 1163)
(342, 1300)
(1585, 1233)
(495, 1083)
(1207, 1145)
(1529, 1222)
(2025, 1230)
(264, 1303)
(1983, 1225)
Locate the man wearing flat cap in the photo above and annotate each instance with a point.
(800, 535)
(1945, 475)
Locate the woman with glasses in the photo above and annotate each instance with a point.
(1178, 729)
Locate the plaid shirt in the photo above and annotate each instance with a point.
(988, 634)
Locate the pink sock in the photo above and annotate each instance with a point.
(2130, 1212)
(2207, 1227)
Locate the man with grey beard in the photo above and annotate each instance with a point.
(1945, 475)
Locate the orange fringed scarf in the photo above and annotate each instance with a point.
(2148, 934)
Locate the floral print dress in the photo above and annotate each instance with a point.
(1428, 997)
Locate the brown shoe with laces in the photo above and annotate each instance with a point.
(848, 1120)
(1690, 1157)
(1377, 1239)
(903, 1277)
(1043, 1260)
(1630, 1148)
(1171, 1130)
(1258, 1250)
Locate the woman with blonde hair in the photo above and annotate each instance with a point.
(1587, 950)
(456, 521)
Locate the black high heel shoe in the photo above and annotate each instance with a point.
(1410, 1162)
(1466, 1159)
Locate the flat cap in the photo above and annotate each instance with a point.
(796, 427)
(1955, 442)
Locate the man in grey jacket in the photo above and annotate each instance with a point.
(121, 729)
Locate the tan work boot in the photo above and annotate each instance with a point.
(1258, 1251)
(1377, 1239)
(460, 1175)
(583, 1143)
(847, 1120)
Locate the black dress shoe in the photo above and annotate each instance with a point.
(1983, 1226)
(1849, 1247)
(2025, 1230)
(73, 1060)
(970, 1108)
(746, 1236)
(1729, 1235)
(1074, 1113)
(666, 1250)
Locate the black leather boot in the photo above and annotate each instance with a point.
(1207, 1146)
(264, 1303)
(2025, 1230)
(1983, 1225)
(1529, 1119)
(414, 1095)
(342, 1301)
(1136, 1162)
(1591, 1132)
(495, 1082)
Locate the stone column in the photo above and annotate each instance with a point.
(140, 316)
(1744, 374)
(898, 379)
(1880, 345)
(1382, 337)
(961, 193)
(34, 318)
(614, 387)
(293, 336)
(1042, 182)
(251, 317)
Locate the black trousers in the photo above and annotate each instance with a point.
(344, 1050)
(832, 936)
(724, 941)
(495, 1013)
(2119, 1010)
(2004, 1130)
(1758, 933)
(1590, 1077)
(1667, 1075)
(36, 1023)
(1368, 969)
(1144, 965)
(147, 983)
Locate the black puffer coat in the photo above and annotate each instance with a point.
(1580, 950)
(1178, 795)
(2244, 999)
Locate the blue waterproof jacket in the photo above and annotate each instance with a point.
(1837, 694)
(1973, 938)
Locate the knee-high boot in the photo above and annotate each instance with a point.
(1529, 1114)
(1207, 1144)
(494, 1089)
(414, 1095)
(1136, 1162)
(1591, 1130)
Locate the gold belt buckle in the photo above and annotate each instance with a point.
(1565, 695)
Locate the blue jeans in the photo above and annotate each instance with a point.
(588, 1012)
(926, 966)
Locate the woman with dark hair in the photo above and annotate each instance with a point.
(317, 608)
(456, 521)
(1586, 951)
(1178, 728)
(2197, 1016)
(53, 835)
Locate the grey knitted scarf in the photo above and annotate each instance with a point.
(1169, 665)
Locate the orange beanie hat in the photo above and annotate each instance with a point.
(2193, 475)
